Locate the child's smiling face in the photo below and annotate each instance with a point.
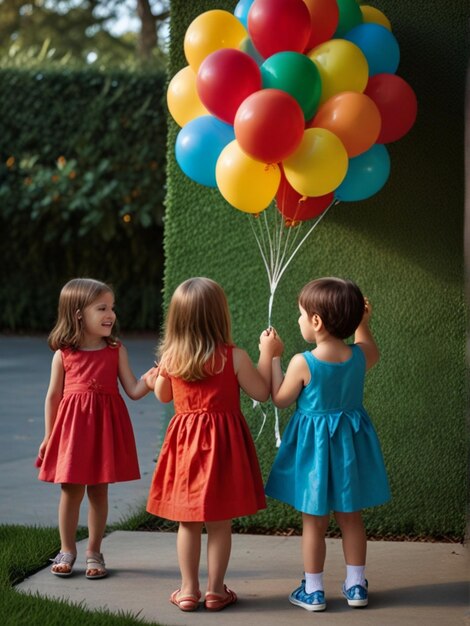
(99, 316)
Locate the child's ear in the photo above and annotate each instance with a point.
(316, 321)
(78, 314)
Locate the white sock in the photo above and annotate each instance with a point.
(355, 575)
(313, 582)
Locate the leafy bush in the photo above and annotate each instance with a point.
(82, 178)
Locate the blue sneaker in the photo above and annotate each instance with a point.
(357, 595)
(314, 601)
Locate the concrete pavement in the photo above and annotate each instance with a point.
(411, 584)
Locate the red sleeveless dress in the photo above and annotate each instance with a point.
(92, 440)
(207, 469)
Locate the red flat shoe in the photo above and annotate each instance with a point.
(217, 602)
(189, 602)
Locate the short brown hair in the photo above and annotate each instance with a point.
(338, 302)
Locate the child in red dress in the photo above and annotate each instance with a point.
(88, 441)
(207, 471)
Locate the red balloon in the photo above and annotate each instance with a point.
(279, 25)
(224, 79)
(269, 125)
(324, 16)
(297, 208)
(397, 105)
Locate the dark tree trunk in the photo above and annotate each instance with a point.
(148, 32)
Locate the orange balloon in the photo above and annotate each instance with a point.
(353, 117)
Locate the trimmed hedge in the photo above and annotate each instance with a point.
(82, 183)
(403, 247)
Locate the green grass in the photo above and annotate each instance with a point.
(23, 551)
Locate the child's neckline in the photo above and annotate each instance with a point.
(333, 362)
(93, 349)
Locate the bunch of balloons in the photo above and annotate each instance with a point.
(290, 99)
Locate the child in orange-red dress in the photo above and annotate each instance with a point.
(88, 441)
(207, 471)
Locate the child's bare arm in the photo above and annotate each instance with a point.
(134, 388)
(250, 378)
(364, 338)
(53, 398)
(163, 389)
(286, 389)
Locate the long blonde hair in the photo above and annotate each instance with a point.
(75, 296)
(197, 326)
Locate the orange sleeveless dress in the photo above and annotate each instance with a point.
(92, 440)
(207, 469)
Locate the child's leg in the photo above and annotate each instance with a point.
(309, 595)
(188, 545)
(97, 515)
(313, 542)
(354, 548)
(219, 546)
(71, 497)
(69, 507)
(354, 537)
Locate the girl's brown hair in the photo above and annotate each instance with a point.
(75, 296)
(338, 302)
(197, 326)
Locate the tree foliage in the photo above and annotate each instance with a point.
(82, 182)
(108, 32)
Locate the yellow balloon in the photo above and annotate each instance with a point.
(182, 98)
(318, 165)
(371, 15)
(209, 32)
(342, 67)
(248, 185)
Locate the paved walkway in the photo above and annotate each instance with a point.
(411, 584)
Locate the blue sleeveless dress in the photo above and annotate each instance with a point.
(330, 457)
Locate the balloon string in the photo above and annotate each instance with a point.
(270, 241)
(279, 256)
(288, 246)
(264, 414)
(311, 229)
(262, 252)
(269, 247)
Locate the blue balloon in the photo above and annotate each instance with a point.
(248, 47)
(241, 11)
(366, 175)
(198, 146)
(378, 45)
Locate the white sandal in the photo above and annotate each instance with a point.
(66, 559)
(95, 563)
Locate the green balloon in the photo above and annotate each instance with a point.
(297, 75)
(350, 15)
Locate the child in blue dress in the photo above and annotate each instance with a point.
(330, 457)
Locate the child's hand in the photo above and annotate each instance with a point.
(41, 452)
(271, 342)
(367, 311)
(150, 377)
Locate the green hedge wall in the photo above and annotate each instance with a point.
(403, 247)
(82, 181)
